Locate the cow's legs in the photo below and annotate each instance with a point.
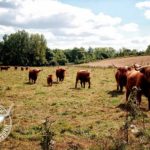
(127, 94)
(89, 84)
(84, 84)
(148, 103)
(121, 88)
(76, 83)
(139, 98)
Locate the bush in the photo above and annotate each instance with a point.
(53, 63)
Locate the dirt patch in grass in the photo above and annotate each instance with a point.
(142, 60)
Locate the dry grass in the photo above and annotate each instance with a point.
(82, 116)
(142, 60)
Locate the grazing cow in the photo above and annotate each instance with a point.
(60, 74)
(22, 68)
(83, 76)
(33, 75)
(15, 67)
(50, 79)
(121, 76)
(4, 68)
(140, 79)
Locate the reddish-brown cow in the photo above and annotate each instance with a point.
(15, 67)
(27, 68)
(33, 75)
(22, 68)
(4, 68)
(50, 79)
(121, 76)
(60, 74)
(140, 79)
(83, 76)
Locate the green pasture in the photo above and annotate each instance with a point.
(82, 116)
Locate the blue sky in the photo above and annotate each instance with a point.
(80, 23)
(125, 9)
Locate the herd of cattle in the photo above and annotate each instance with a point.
(132, 76)
(126, 76)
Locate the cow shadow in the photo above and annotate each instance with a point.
(125, 107)
(115, 93)
(73, 88)
(28, 83)
(56, 82)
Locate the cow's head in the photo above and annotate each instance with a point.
(37, 70)
(146, 71)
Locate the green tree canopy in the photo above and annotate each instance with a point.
(20, 48)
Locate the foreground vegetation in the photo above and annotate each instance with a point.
(82, 118)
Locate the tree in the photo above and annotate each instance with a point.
(20, 48)
(1, 48)
(15, 48)
(37, 50)
(148, 50)
(60, 57)
(49, 55)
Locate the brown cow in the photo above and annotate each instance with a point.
(22, 68)
(33, 75)
(26, 68)
(140, 79)
(4, 67)
(121, 76)
(60, 74)
(83, 76)
(50, 79)
(15, 67)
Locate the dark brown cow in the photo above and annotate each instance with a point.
(140, 79)
(50, 79)
(121, 76)
(60, 74)
(83, 76)
(27, 68)
(22, 68)
(4, 67)
(15, 67)
(33, 75)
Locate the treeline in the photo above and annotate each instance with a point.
(22, 48)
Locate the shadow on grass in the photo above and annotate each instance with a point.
(125, 107)
(75, 88)
(29, 83)
(115, 93)
(55, 82)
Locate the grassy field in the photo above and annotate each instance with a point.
(83, 118)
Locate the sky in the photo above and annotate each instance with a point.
(80, 23)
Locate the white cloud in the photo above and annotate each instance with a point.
(3, 11)
(144, 4)
(147, 14)
(130, 27)
(66, 26)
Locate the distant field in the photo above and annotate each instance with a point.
(83, 118)
(143, 60)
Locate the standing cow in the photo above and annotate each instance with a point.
(60, 74)
(4, 67)
(83, 76)
(33, 75)
(50, 79)
(140, 79)
(121, 76)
